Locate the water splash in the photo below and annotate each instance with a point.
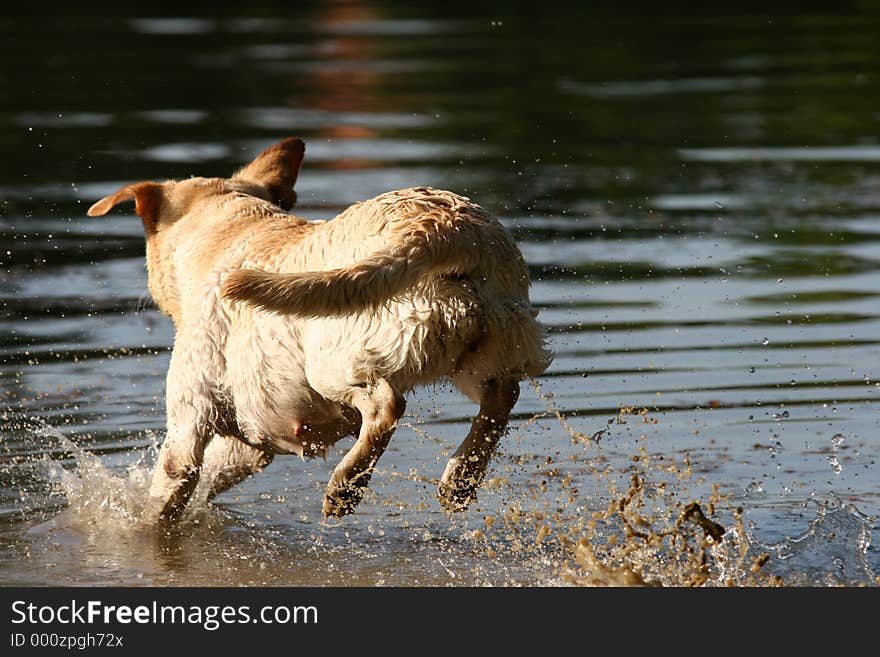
(98, 499)
(95, 495)
(573, 517)
(831, 552)
(649, 535)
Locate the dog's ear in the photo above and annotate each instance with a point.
(276, 169)
(147, 197)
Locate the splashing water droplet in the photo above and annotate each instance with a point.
(835, 464)
(836, 442)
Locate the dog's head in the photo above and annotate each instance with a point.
(270, 176)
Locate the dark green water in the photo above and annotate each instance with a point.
(697, 194)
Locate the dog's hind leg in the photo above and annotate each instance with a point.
(228, 461)
(467, 467)
(380, 406)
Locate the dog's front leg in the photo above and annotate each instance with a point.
(176, 474)
(380, 406)
(190, 408)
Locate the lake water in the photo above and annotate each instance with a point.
(697, 195)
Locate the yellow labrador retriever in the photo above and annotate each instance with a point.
(291, 334)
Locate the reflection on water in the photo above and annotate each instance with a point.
(696, 195)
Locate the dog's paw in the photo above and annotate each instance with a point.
(456, 496)
(159, 515)
(341, 499)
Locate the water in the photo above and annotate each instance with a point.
(696, 194)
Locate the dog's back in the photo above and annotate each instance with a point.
(417, 283)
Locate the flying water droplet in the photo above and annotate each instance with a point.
(836, 442)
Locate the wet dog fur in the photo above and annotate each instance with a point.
(292, 334)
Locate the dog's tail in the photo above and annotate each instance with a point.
(366, 284)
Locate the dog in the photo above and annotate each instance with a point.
(292, 334)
